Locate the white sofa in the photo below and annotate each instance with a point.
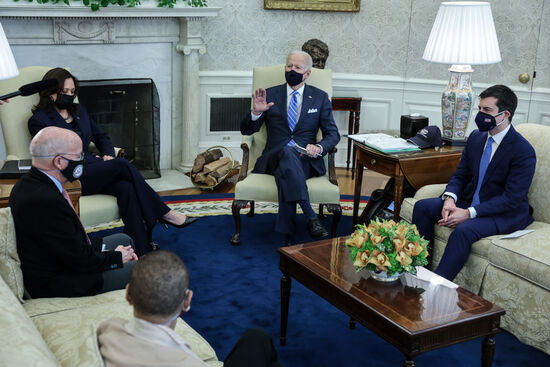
(512, 273)
(60, 331)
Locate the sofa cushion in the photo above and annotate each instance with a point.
(538, 136)
(262, 187)
(20, 342)
(44, 306)
(527, 256)
(68, 327)
(10, 265)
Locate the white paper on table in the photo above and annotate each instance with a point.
(434, 279)
(517, 234)
(383, 142)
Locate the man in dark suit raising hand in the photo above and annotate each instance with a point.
(293, 113)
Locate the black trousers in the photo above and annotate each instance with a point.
(117, 278)
(138, 204)
(254, 349)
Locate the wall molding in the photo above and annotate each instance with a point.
(385, 99)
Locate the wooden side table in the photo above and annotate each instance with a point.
(73, 188)
(429, 166)
(353, 105)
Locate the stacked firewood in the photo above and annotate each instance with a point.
(211, 167)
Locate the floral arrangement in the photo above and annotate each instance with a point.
(388, 246)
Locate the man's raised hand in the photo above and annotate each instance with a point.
(259, 104)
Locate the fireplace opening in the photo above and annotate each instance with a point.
(128, 110)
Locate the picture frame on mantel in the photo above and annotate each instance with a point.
(316, 5)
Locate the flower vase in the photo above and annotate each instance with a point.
(380, 276)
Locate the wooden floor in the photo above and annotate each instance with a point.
(371, 181)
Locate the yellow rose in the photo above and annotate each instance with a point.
(403, 258)
(356, 239)
(361, 259)
(412, 248)
(399, 243)
(380, 260)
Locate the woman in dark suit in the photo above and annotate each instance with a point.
(139, 205)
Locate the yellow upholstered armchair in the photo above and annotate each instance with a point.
(94, 209)
(252, 187)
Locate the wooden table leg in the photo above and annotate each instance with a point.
(398, 196)
(487, 351)
(357, 192)
(355, 131)
(350, 131)
(285, 300)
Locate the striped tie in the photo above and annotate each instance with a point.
(292, 114)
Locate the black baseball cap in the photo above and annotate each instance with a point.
(430, 136)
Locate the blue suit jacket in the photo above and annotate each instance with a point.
(316, 113)
(503, 194)
(90, 132)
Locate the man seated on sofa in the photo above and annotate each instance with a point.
(159, 293)
(293, 113)
(58, 259)
(487, 194)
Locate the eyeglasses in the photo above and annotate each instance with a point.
(80, 155)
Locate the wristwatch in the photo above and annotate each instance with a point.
(445, 196)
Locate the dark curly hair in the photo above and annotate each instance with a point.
(60, 75)
(158, 283)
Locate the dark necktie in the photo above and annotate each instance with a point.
(66, 196)
(483, 164)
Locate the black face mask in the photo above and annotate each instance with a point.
(74, 169)
(486, 122)
(293, 78)
(64, 101)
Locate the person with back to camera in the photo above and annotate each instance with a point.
(139, 205)
(159, 293)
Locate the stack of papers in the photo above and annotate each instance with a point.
(385, 143)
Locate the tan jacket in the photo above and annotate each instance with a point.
(139, 343)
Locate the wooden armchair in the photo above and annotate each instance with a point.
(252, 187)
(94, 209)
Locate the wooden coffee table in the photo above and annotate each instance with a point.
(415, 314)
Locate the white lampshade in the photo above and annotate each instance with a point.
(8, 68)
(463, 33)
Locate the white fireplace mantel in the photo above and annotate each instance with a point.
(147, 9)
(32, 26)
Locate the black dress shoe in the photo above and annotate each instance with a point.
(188, 221)
(315, 228)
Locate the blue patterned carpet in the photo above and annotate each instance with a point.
(238, 287)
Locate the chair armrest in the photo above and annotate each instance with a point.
(244, 166)
(331, 169)
(430, 191)
(425, 192)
